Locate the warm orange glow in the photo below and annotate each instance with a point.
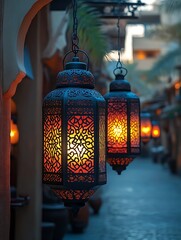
(177, 85)
(102, 143)
(155, 131)
(14, 133)
(117, 134)
(145, 128)
(52, 144)
(134, 127)
(117, 128)
(140, 55)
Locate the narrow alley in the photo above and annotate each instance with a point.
(141, 204)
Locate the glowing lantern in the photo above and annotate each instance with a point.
(14, 133)
(122, 124)
(146, 127)
(155, 130)
(74, 136)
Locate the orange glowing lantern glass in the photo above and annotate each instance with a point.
(122, 124)
(14, 133)
(146, 127)
(74, 136)
(155, 130)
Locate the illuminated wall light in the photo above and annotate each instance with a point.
(14, 133)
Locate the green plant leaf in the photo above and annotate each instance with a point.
(91, 37)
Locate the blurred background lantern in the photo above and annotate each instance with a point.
(14, 133)
(146, 127)
(155, 130)
(122, 124)
(74, 132)
(122, 118)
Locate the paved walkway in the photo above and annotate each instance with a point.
(144, 203)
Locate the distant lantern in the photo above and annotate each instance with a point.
(74, 136)
(122, 123)
(146, 127)
(155, 130)
(14, 133)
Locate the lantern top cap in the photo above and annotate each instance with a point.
(76, 64)
(75, 74)
(120, 84)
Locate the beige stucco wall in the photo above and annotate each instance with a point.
(15, 19)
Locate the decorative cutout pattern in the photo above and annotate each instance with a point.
(119, 161)
(52, 178)
(52, 143)
(83, 93)
(75, 195)
(57, 94)
(80, 144)
(117, 126)
(71, 121)
(84, 178)
(102, 141)
(75, 77)
(135, 125)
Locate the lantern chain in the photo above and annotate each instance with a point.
(75, 39)
(119, 66)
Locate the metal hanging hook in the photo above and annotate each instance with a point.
(81, 51)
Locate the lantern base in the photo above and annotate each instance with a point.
(119, 168)
(75, 207)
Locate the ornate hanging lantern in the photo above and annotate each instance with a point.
(122, 119)
(122, 124)
(146, 127)
(155, 133)
(74, 134)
